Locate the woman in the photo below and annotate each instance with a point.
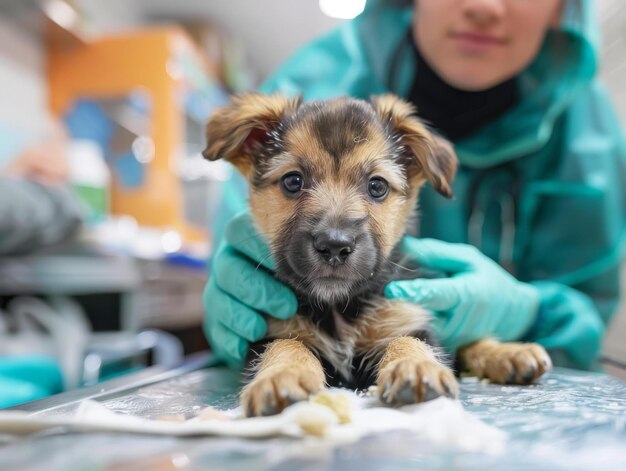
(540, 190)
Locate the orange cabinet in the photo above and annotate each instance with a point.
(163, 64)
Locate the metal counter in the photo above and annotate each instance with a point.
(571, 420)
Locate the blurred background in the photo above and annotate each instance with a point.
(122, 89)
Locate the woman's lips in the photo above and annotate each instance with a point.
(476, 42)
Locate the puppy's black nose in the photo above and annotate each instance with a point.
(334, 245)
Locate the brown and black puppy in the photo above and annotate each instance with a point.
(333, 185)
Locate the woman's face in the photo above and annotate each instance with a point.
(477, 44)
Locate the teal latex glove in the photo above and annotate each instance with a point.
(27, 378)
(242, 288)
(477, 299)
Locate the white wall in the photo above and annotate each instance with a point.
(23, 95)
(612, 15)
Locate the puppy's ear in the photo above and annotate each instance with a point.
(238, 131)
(428, 154)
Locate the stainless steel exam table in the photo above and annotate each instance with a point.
(570, 420)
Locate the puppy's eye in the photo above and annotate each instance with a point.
(292, 183)
(378, 188)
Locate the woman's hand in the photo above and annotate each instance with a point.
(477, 299)
(48, 166)
(240, 290)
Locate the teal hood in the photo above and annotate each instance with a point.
(371, 55)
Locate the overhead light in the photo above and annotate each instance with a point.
(344, 9)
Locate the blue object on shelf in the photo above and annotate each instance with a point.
(128, 170)
(185, 260)
(88, 120)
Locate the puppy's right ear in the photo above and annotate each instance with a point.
(238, 131)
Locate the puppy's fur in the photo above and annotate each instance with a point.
(333, 185)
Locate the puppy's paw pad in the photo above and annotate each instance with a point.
(409, 382)
(270, 392)
(517, 363)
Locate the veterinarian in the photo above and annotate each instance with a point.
(532, 241)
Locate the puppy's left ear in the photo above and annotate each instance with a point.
(238, 132)
(427, 154)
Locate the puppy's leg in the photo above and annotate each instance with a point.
(288, 372)
(409, 372)
(505, 363)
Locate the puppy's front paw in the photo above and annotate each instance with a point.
(509, 363)
(409, 381)
(273, 390)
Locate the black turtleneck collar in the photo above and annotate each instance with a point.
(455, 113)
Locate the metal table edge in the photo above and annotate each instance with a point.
(123, 384)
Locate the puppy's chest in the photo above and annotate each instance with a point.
(338, 322)
(359, 331)
(343, 330)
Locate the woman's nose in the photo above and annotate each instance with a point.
(484, 12)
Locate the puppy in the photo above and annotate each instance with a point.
(333, 185)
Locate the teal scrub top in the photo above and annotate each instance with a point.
(541, 190)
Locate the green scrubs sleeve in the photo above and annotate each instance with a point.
(568, 325)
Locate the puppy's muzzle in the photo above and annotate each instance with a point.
(334, 245)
